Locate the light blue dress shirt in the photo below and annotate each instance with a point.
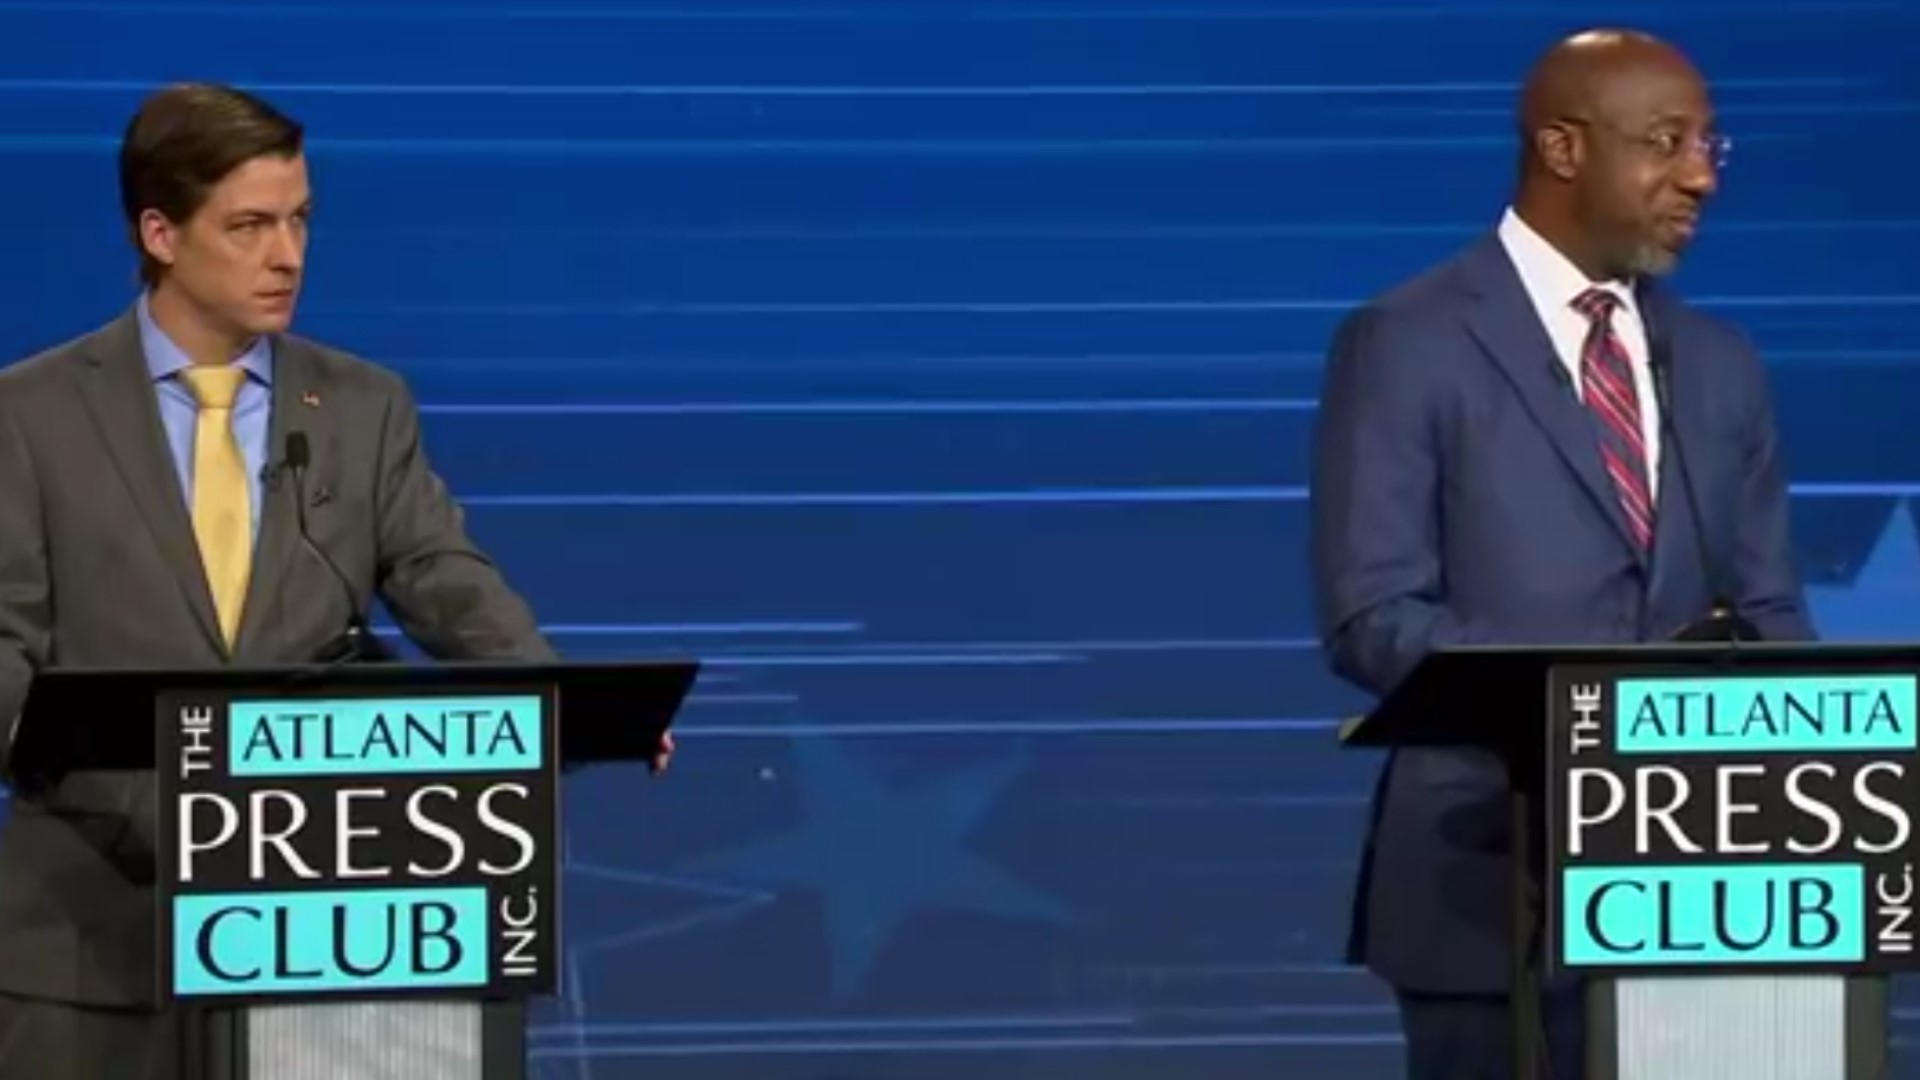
(179, 411)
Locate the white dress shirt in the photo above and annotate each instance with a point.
(1553, 283)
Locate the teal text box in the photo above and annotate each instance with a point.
(357, 939)
(362, 736)
(1804, 713)
(1729, 913)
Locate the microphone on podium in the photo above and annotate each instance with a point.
(1722, 622)
(357, 643)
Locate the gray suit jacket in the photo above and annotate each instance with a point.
(99, 568)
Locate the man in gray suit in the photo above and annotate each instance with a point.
(140, 526)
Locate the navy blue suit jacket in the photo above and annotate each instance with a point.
(1459, 497)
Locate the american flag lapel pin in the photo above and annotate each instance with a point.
(310, 399)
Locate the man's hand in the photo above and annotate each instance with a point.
(665, 753)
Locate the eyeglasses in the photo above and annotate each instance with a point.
(1670, 145)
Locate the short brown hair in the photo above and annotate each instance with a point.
(185, 139)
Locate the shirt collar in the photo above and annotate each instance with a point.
(165, 359)
(1549, 273)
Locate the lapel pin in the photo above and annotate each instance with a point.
(310, 399)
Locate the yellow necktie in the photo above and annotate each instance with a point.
(222, 502)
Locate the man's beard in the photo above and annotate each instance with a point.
(1651, 260)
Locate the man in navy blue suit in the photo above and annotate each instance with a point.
(1536, 443)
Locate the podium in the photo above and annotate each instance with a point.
(1717, 837)
(357, 865)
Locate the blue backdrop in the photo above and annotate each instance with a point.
(941, 372)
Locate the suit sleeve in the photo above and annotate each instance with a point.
(1768, 590)
(1375, 505)
(444, 592)
(25, 612)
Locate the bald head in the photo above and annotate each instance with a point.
(1618, 151)
(1583, 75)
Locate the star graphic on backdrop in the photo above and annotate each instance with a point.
(1882, 602)
(605, 909)
(875, 853)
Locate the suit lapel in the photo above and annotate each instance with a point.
(1508, 329)
(295, 392)
(120, 398)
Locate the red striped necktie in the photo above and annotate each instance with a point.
(1606, 383)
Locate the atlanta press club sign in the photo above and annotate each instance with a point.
(1732, 822)
(357, 844)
